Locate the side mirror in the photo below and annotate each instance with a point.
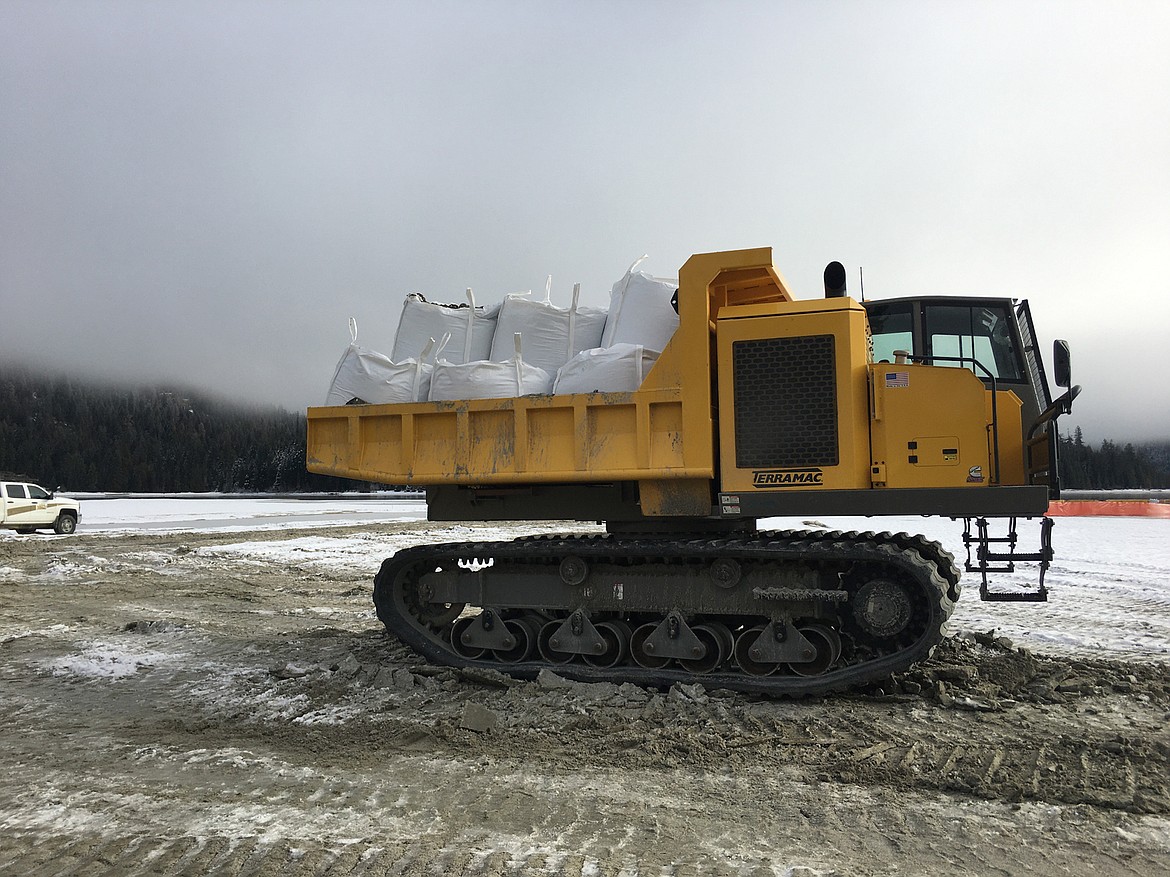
(1061, 364)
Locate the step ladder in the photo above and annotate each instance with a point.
(986, 554)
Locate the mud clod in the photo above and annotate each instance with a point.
(548, 679)
(479, 719)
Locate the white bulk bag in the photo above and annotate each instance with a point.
(617, 369)
(471, 328)
(364, 376)
(552, 335)
(640, 311)
(488, 380)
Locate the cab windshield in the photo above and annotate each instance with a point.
(948, 333)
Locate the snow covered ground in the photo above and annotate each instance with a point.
(218, 512)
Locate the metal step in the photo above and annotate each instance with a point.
(981, 559)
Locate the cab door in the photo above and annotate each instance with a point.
(23, 508)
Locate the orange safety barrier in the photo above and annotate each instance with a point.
(1129, 508)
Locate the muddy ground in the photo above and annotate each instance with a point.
(199, 703)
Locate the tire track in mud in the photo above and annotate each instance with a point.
(188, 856)
(886, 843)
(198, 856)
(1023, 752)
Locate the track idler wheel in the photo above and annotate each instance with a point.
(509, 639)
(882, 608)
(671, 638)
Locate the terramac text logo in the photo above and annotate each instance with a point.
(788, 478)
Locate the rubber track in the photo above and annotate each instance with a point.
(920, 560)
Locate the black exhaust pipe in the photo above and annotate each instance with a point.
(834, 280)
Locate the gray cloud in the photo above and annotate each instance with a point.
(206, 193)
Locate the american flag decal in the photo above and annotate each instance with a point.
(897, 379)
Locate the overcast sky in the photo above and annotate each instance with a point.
(205, 192)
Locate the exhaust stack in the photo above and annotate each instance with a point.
(834, 280)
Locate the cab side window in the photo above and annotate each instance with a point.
(967, 333)
(16, 491)
(35, 492)
(891, 328)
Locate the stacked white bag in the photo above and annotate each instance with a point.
(617, 369)
(640, 311)
(640, 323)
(488, 380)
(552, 335)
(367, 377)
(585, 349)
(471, 328)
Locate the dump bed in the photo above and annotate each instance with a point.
(532, 439)
(662, 431)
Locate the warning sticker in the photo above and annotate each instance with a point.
(897, 379)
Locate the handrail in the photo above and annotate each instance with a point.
(1063, 405)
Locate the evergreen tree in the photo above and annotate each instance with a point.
(63, 432)
(1111, 467)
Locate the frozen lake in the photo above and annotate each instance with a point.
(207, 512)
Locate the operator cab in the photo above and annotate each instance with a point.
(993, 337)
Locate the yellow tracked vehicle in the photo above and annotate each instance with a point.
(761, 405)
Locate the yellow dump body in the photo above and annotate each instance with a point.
(801, 413)
(663, 432)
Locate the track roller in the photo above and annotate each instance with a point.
(617, 641)
(639, 652)
(717, 640)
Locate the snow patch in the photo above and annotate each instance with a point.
(112, 660)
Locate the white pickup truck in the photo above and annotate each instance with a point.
(28, 507)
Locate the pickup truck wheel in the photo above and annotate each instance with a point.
(65, 525)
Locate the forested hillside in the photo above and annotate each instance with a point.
(1111, 466)
(83, 436)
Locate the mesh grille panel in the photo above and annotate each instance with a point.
(785, 402)
(1035, 368)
